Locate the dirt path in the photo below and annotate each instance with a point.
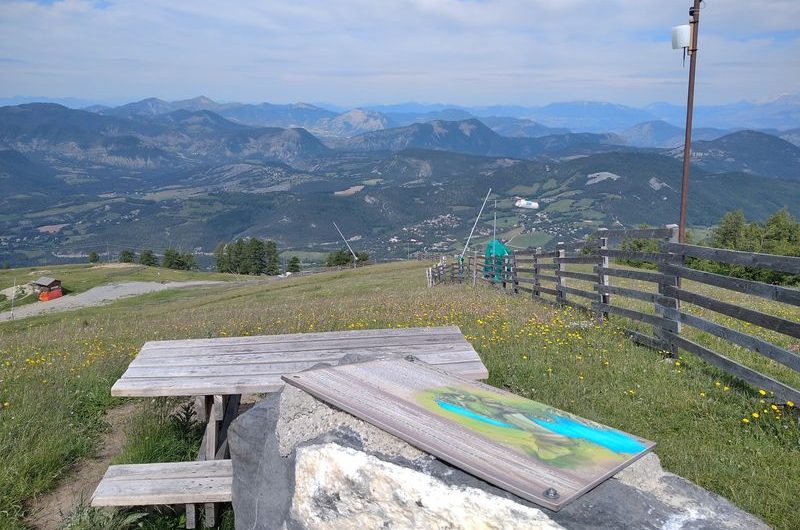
(99, 295)
(49, 511)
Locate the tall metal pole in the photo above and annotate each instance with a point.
(476, 222)
(694, 23)
(494, 225)
(355, 258)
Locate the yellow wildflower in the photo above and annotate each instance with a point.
(755, 415)
(790, 403)
(762, 391)
(745, 420)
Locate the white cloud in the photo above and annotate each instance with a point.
(356, 51)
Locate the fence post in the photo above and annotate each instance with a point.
(536, 281)
(475, 268)
(514, 279)
(602, 279)
(664, 301)
(562, 281)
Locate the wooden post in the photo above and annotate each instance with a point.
(514, 279)
(536, 281)
(664, 301)
(562, 281)
(602, 279)
(475, 268)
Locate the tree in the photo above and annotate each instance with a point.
(640, 244)
(171, 259)
(221, 261)
(294, 265)
(94, 257)
(236, 256)
(148, 258)
(730, 231)
(126, 256)
(175, 259)
(363, 257)
(255, 260)
(339, 258)
(273, 262)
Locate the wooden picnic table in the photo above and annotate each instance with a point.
(218, 371)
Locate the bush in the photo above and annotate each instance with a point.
(147, 257)
(94, 257)
(294, 265)
(780, 234)
(126, 256)
(175, 259)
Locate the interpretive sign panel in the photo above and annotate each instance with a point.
(530, 449)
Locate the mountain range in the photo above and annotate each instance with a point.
(154, 173)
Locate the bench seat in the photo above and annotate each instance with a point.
(204, 481)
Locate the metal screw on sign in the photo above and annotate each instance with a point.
(551, 493)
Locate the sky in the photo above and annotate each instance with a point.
(357, 52)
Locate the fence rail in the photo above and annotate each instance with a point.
(545, 276)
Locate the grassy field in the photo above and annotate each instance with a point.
(56, 372)
(80, 278)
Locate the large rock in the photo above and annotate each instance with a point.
(299, 464)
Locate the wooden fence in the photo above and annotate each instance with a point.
(550, 276)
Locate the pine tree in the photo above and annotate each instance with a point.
(273, 262)
(148, 258)
(730, 232)
(94, 257)
(294, 265)
(126, 256)
(255, 261)
(221, 258)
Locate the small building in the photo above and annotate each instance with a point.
(48, 288)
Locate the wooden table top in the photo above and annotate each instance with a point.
(255, 364)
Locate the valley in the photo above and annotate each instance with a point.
(149, 176)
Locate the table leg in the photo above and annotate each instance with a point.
(218, 412)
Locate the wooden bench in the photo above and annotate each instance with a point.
(219, 370)
(204, 481)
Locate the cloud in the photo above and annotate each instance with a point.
(354, 51)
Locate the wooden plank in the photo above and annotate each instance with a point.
(577, 292)
(487, 432)
(629, 293)
(636, 315)
(774, 262)
(645, 276)
(767, 349)
(166, 483)
(151, 492)
(239, 384)
(639, 233)
(577, 276)
(322, 336)
(545, 278)
(781, 325)
(744, 373)
(651, 257)
(461, 353)
(272, 367)
(644, 340)
(546, 290)
(187, 348)
(581, 260)
(787, 295)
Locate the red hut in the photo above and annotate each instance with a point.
(48, 288)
